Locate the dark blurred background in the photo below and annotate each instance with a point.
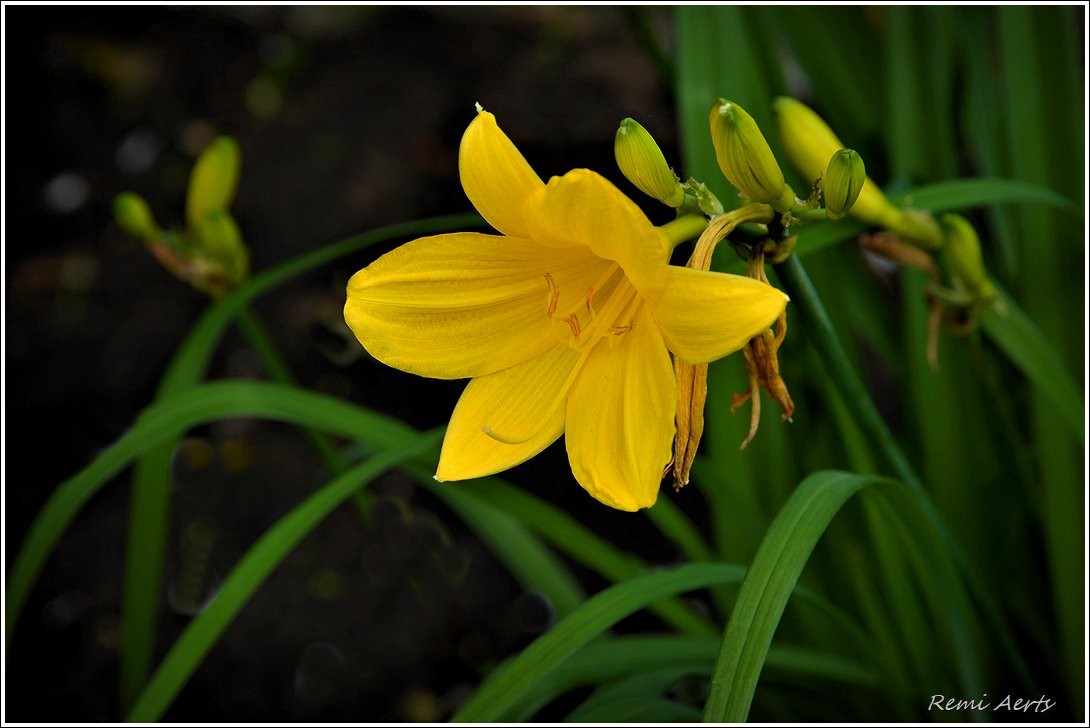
(349, 118)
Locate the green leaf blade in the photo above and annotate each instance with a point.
(767, 587)
(509, 684)
(252, 569)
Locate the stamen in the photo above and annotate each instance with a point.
(573, 324)
(554, 295)
(618, 330)
(608, 307)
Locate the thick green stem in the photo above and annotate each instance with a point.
(254, 331)
(147, 540)
(811, 215)
(684, 228)
(820, 333)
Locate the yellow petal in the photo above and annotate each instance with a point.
(496, 178)
(620, 420)
(705, 315)
(462, 304)
(584, 208)
(506, 418)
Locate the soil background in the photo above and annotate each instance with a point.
(349, 118)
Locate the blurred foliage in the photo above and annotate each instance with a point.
(929, 94)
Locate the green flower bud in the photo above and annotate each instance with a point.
(220, 238)
(963, 252)
(745, 157)
(642, 163)
(843, 181)
(808, 141)
(214, 179)
(134, 216)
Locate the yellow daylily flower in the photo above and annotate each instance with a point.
(565, 322)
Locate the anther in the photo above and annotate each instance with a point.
(554, 295)
(573, 324)
(590, 302)
(618, 330)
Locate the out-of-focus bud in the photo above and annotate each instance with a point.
(745, 157)
(134, 216)
(643, 164)
(966, 262)
(221, 239)
(214, 179)
(210, 255)
(917, 227)
(843, 181)
(809, 142)
(807, 139)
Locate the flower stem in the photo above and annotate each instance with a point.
(684, 228)
(819, 331)
(810, 215)
(254, 330)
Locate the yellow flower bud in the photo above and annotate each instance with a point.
(745, 157)
(643, 164)
(807, 139)
(843, 181)
(809, 142)
(214, 179)
(134, 216)
(917, 227)
(963, 252)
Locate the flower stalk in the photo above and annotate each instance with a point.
(819, 331)
(684, 228)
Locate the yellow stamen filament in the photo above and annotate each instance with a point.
(592, 320)
(573, 324)
(632, 304)
(624, 306)
(554, 295)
